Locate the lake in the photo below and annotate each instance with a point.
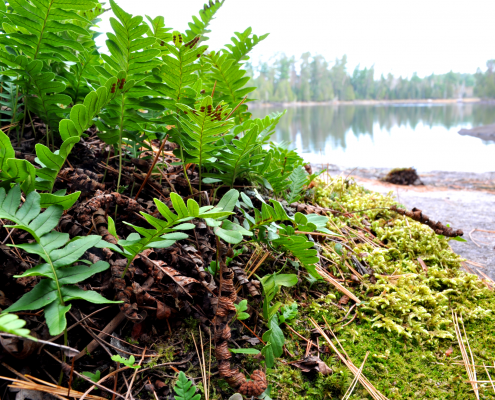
(389, 136)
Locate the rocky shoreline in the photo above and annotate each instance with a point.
(486, 132)
(464, 200)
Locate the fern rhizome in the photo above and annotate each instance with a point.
(136, 186)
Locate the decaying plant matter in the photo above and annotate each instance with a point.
(439, 228)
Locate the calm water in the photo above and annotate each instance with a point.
(421, 136)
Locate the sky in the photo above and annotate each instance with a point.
(397, 36)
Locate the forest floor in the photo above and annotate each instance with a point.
(462, 199)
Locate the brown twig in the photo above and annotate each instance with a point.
(152, 166)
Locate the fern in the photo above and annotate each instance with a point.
(202, 127)
(11, 323)
(298, 179)
(127, 45)
(35, 30)
(165, 232)
(228, 74)
(270, 230)
(184, 389)
(230, 81)
(243, 156)
(71, 129)
(57, 254)
(179, 78)
(236, 158)
(199, 28)
(10, 99)
(130, 59)
(243, 44)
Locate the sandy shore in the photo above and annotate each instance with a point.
(464, 200)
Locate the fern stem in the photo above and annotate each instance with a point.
(64, 358)
(121, 129)
(55, 277)
(127, 267)
(185, 170)
(108, 159)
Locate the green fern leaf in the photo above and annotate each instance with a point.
(298, 179)
(199, 26)
(184, 389)
(38, 24)
(243, 43)
(11, 323)
(57, 254)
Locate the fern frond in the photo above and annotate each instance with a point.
(58, 254)
(35, 26)
(128, 47)
(201, 129)
(237, 158)
(10, 99)
(243, 43)
(179, 72)
(167, 231)
(11, 323)
(184, 389)
(199, 26)
(298, 179)
(230, 81)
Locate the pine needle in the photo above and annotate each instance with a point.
(471, 370)
(348, 362)
(337, 285)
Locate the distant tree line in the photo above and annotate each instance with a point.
(313, 78)
(485, 81)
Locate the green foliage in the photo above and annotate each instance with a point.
(71, 129)
(243, 156)
(95, 377)
(239, 310)
(11, 323)
(201, 128)
(9, 99)
(245, 351)
(167, 231)
(42, 35)
(199, 26)
(226, 70)
(58, 255)
(284, 236)
(243, 43)
(184, 389)
(128, 362)
(288, 313)
(274, 337)
(298, 179)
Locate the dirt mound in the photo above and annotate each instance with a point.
(402, 176)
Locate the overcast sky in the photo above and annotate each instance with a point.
(397, 36)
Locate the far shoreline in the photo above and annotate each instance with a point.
(469, 100)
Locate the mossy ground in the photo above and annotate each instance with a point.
(400, 368)
(408, 342)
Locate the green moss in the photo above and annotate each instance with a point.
(404, 299)
(405, 322)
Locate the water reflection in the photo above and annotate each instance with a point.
(358, 135)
